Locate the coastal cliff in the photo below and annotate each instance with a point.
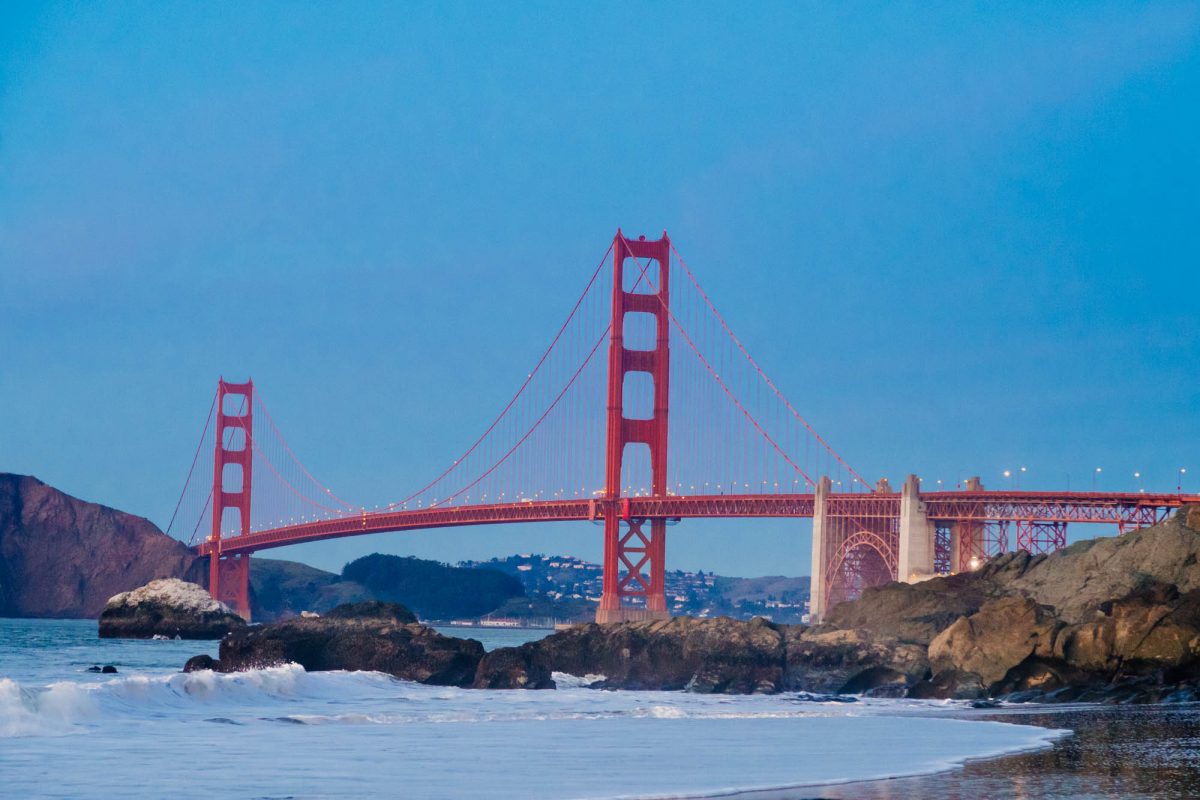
(65, 557)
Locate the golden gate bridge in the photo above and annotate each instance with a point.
(674, 420)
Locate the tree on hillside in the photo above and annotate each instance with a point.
(431, 589)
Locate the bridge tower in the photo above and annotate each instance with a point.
(229, 576)
(627, 543)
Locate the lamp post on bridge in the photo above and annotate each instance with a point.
(1179, 481)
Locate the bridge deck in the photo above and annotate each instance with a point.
(1092, 507)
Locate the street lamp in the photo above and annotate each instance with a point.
(1019, 477)
(1179, 484)
(1095, 475)
(1138, 477)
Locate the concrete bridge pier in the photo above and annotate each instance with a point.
(915, 560)
(820, 528)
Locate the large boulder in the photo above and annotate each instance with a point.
(167, 607)
(381, 637)
(1137, 647)
(989, 643)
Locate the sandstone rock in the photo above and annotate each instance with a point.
(1191, 516)
(998, 637)
(1077, 579)
(382, 637)
(167, 607)
(1136, 648)
(918, 612)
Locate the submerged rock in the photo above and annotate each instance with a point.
(201, 662)
(381, 637)
(168, 608)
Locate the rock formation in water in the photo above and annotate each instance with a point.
(167, 607)
(383, 637)
(711, 656)
(64, 557)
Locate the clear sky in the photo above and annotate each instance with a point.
(961, 239)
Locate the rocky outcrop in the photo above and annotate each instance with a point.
(1105, 619)
(917, 612)
(980, 650)
(167, 607)
(1139, 647)
(382, 637)
(850, 661)
(721, 656)
(63, 557)
(716, 655)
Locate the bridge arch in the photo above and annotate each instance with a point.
(864, 558)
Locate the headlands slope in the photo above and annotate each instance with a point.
(65, 557)
(62, 557)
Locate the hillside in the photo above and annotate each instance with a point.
(281, 589)
(569, 588)
(432, 589)
(64, 557)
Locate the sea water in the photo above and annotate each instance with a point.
(151, 730)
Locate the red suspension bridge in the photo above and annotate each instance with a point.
(586, 437)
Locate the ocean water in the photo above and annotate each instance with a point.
(151, 731)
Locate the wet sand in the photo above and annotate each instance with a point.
(1127, 752)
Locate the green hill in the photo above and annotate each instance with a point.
(431, 589)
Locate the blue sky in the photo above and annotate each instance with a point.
(961, 239)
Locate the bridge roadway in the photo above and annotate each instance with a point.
(1128, 510)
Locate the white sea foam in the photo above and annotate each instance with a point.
(564, 680)
(50, 711)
